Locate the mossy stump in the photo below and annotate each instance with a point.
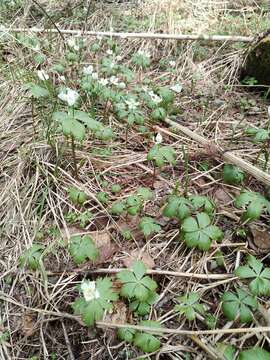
(257, 62)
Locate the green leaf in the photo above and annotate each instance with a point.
(232, 174)
(260, 283)
(254, 203)
(258, 135)
(117, 208)
(145, 193)
(166, 94)
(135, 284)
(32, 256)
(161, 155)
(177, 207)
(159, 114)
(189, 306)
(76, 196)
(255, 353)
(198, 232)
(37, 91)
(105, 134)
(82, 248)
(133, 204)
(126, 334)
(226, 350)
(239, 304)
(147, 342)
(148, 226)
(93, 310)
(92, 124)
(202, 203)
(102, 197)
(116, 188)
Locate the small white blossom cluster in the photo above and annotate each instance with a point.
(177, 88)
(172, 63)
(42, 75)
(158, 139)
(89, 290)
(72, 43)
(154, 97)
(132, 104)
(69, 96)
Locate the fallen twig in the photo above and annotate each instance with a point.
(140, 35)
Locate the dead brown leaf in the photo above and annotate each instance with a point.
(137, 255)
(260, 239)
(27, 324)
(106, 247)
(222, 196)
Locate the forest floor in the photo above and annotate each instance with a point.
(91, 187)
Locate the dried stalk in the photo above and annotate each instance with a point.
(140, 35)
(259, 174)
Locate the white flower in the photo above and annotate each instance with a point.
(103, 82)
(89, 290)
(158, 139)
(94, 75)
(132, 104)
(73, 44)
(121, 85)
(155, 98)
(62, 78)
(109, 52)
(69, 96)
(114, 80)
(118, 58)
(143, 53)
(88, 70)
(268, 109)
(172, 63)
(177, 88)
(42, 75)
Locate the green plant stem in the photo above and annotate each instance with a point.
(74, 157)
(154, 176)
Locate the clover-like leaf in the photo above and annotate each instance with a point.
(145, 193)
(117, 208)
(147, 342)
(161, 155)
(258, 135)
(143, 308)
(148, 226)
(159, 114)
(166, 94)
(82, 248)
(103, 197)
(135, 284)
(254, 204)
(189, 305)
(259, 277)
(32, 256)
(177, 207)
(198, 232)
(239, 304)
(133, 204)
(93, 310)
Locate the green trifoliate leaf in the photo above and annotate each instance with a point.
(92, 124)
(82, 248)
(116, 188)
(37, 91)
(117, 208)
(159, 114)
(145, 193)
(198, 232)
(258, 135)
(260, 283)
(166, 94)
(148, 226)
(202, 203)
(239, 304)
(133, 204)
(233, 175)
(143, 308)
(32, 256)
(103, 197)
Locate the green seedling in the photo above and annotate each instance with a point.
(253, 203)
(32, 257)
(148, 226)
(77, 196)
(233, 175)
(189, 306)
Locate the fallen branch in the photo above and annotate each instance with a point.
(129, 35)
(225, 154)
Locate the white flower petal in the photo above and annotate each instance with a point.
(177, 88)
(158, 139)
(88, 70)
(42, 75)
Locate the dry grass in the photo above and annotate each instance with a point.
(33, 193)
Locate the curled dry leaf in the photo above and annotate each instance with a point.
(105, 246)
(27, 324)
(139, 255)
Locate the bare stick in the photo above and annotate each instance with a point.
(140, 35)
(226, 155)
